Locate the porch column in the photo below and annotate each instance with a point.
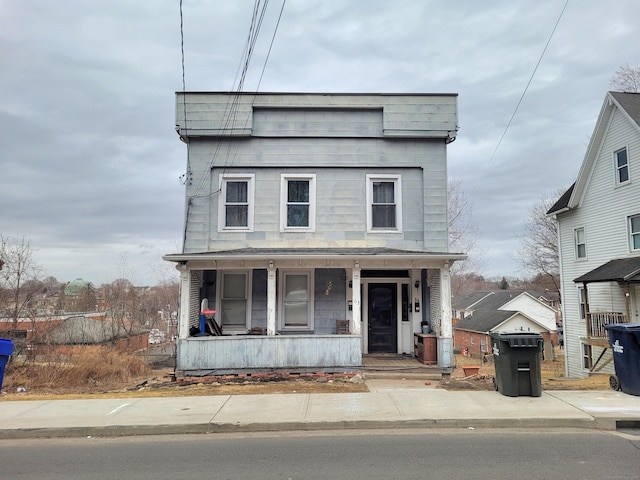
(355, 301)
(183, 314)
(445, 342)
(271, 299)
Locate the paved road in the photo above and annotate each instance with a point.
(375, 454)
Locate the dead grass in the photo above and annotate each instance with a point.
(94, 367)
(103, 373)
(551, 373)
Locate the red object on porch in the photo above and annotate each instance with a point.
(426, 348)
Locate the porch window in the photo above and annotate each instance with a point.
(581, 243)
(622, 166)
(296, 301)
(582, 303)
(297, 211)
(234, 301)
(236, 204)
(634, 232)
(384, 201)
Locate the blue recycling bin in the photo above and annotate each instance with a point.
(624, 339)
(6, 349)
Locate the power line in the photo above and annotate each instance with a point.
(528, 83)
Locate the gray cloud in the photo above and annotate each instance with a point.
(91, 160)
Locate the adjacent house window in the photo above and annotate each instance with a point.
(622, 166)
(581, 243)
(582, 303)
(298, 198)
(234, 301)
(236, 204)
(634, 232)
(483, 344)
(384, 203)
(297, 297)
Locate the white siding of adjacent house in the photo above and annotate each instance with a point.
(533, 308)
(603, 213)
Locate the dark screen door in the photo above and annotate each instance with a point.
(383, 332)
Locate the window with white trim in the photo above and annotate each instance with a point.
(581, 243)
(634, 233)
(236, 202)
(296, 300)
(384, 203)
(297, 202)
(582, 303)
(234, 301)
(622, 166)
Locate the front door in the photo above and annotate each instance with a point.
(383, 318)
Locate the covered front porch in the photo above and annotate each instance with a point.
(616, 284)
(311, 310)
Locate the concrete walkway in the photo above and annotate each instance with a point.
(389, 404)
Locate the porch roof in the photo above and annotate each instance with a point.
(314, 254)
(618, 270)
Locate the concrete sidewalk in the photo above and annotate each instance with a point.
(389, 404)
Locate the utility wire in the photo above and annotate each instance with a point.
(528, 83)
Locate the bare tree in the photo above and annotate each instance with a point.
(538, 253)
(463, 238)
(626, 79)
(19, 268)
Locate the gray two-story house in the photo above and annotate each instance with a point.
(316, 229)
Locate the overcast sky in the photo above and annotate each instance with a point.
(91, 160)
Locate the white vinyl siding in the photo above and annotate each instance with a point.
(605, 211)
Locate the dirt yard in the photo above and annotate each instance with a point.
(159, 383)
(551, 373)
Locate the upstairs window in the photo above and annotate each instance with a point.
(634, 233)
(236, 205)
(622, 166)
(384, 203)
(297, 210)
(581, 243)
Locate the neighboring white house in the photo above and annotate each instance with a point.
(307, 210)
(599, 237)
(481, 313)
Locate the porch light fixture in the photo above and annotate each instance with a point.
(417, 284)
(350, 284)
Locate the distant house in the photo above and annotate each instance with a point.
(316, 228)
(479, 314)
(599, 237)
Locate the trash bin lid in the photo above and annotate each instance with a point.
(6, 347)
(619, 327)
(519, 339)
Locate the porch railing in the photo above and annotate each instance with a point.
(597, 320)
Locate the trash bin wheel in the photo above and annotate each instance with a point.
(495, 384)
(614, 383)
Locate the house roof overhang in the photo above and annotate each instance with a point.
(621, 270)
(392, 258)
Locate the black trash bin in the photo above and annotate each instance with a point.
(624, 339)
(516, 357)
(6, 348)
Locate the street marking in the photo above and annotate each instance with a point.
(116, 410)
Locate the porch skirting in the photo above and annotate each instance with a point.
(208, 355)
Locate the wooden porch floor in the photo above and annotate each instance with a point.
(391, 365)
